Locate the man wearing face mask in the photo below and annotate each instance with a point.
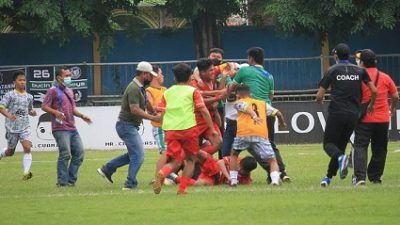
(344, 79)
(59, 102)
(134, 102)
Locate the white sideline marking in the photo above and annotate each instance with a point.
(396, 151)
(216, 189)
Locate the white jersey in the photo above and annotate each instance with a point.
(18, 104)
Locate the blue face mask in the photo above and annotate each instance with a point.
(67, 81)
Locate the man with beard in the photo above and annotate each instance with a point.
(132, 113)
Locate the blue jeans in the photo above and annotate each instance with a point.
(229, 136)
(70, 148)
(135, 156)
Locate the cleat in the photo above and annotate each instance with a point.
(325, 182)
(103, 172)
(376, 181)
(286, 179)
(360, 183)
(343, 164)
(27, 176)
(158, 182)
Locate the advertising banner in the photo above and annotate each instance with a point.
(6, 80)
(41, 78)
(306, 123)
(100, 135)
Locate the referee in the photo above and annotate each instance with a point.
(344, 80)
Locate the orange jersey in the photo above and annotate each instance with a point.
(156, 94)
(245, 124)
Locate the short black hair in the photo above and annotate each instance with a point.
(182, 72)
(18, 73)
(342, 51)
(204, 64)
(156, 68)
(60, 69)
(368, 58)
(216, 50)
(257, 54)
(242, 88)
(248, 164)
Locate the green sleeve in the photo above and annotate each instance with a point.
(272, 83)
(133, 95)
(239, 77)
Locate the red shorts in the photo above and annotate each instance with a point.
(204, 131)
(182, 142)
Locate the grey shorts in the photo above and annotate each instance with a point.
(259, 147)
(14, 138)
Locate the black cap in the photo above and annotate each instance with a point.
(342, 50)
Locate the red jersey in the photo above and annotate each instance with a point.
(241, 179)
(210, 107)
(385, 87)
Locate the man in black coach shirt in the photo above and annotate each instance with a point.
(344, 79)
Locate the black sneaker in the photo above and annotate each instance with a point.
(103, 172)
(376, 181)
(61, 185)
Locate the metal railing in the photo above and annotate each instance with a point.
(295, 78)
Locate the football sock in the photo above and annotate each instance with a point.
(3, 153)
(27, 162)
(233, 175)
(274, 177)
(166, 170)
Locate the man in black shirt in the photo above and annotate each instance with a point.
(344, 79)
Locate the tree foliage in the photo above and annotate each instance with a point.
(50, 19)
(338, 18)
(206, 17)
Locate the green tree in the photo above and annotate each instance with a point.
(332, 20)
(207, 17)
(51, 19)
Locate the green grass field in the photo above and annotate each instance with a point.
(93, 201)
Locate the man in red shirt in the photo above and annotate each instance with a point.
(211, 98)
(373, 127)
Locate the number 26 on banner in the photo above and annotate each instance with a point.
(41, 74)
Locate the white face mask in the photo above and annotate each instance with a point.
(358, 62)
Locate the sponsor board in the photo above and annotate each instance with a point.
(306, 123)
(100, 135)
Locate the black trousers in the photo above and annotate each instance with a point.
(271, 137)
(339, 127)
(377, 134)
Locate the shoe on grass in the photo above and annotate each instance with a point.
(27, 176)
(158, 182)
(103, 172)
(325, 182)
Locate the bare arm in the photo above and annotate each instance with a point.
(281, 119)
(320, 95)
(85, 118)
(395, 99)
(136, 110)
(222, 168)
(373, 90)
(7, 114)
(59, 115)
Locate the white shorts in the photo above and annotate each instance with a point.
(13, 138)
